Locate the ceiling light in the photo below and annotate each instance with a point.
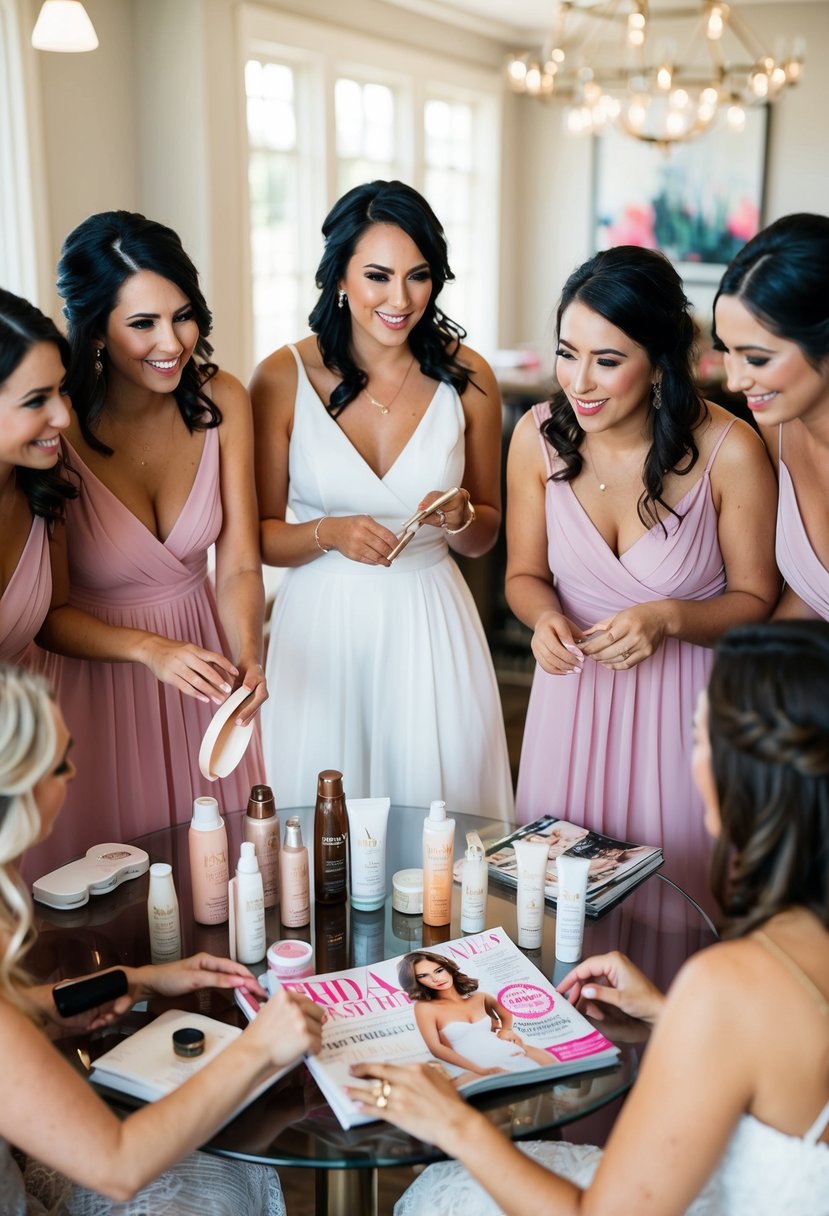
(63, 25)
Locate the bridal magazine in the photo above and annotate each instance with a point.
(518, 1029)
(616, 866)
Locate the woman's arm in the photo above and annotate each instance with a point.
(203, 674)
(529, 583)
(427, 1025)
(273, 390)
(54, 1115)
(240, 593)
(745, 497)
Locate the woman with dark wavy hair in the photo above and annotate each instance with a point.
(730, 1113)
(377, 658)
(771, 316)
(162, 446)
(640, 528)
(33, 490)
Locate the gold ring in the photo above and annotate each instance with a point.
(382, 1102)
(441, 514)
(626, 655)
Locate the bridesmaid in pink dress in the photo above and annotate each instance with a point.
(162, 447)
(33, 492)
(639, 529)
(771, 318)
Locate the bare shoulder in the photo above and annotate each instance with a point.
(228, 393)
(276, 374)
(481, 376)
(525, 436)
(741, 448)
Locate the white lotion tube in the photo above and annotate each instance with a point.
(570, 906)
(247, 901)
(367, 822)
(163, 915)
(531, 856)
(474, 884)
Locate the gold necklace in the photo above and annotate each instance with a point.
(601, 484)
(384, 409)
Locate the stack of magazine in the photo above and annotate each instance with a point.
(616, 866)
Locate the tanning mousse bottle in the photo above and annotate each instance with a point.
(330, 840)
(262, 829)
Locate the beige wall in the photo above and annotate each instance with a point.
(152, 121)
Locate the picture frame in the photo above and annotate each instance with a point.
(698, 201)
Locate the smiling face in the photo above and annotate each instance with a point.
(607, 377)
(433, 976)
(50, 791)
(151, 334)
(388, 283)
(33, 411)
(778, 381)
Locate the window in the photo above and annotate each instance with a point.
(327, 110)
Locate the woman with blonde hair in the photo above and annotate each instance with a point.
(79, 1158)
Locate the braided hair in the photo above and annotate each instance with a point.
(768, 716)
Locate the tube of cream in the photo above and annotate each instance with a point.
(570, 906)
(367, 822)
(531, 856)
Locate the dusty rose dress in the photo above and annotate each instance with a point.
(612, 749)
(799, 564)
(137, 740)
(25, 602)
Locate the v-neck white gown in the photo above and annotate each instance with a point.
(382, 673)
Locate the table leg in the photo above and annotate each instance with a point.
(346, 1192)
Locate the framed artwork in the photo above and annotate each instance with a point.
(699, 202)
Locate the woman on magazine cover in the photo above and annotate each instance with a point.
(730, 1113)
(771, 317)
(73, 1156)
(468, 1029)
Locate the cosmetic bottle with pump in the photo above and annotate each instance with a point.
(474, 885)
(207, 841)
(163, 915)
(262, 828)
(330, 840)
(438, 845)
(295, 897)
(246, 902)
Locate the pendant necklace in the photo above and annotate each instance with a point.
(384, 409)
(601, 484)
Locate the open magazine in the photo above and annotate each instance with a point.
(145, 1066)
(616, 866)
(509, 1025)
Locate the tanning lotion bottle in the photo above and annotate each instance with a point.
(208, 862)
(262, 829)
(163, 915)
(330, 840)
(438, 845)
(295, 901)
(247, 908)
(474, 885)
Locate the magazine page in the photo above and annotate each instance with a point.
(476, 1005)
(616, 863)
(145, 1066)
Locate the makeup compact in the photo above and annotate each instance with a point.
(188, 1042)
(225, 742)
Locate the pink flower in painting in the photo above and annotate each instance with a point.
(635, 227)
(744, 220)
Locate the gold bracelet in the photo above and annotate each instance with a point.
(320, 545)
(471, 520)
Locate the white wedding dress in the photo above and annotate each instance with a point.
(477, 1041)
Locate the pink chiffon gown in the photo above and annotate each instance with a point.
(25, 602)
(612, 749)
(800, 566)
(137, 740)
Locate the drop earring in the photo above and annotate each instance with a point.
(98, 365)
(341, 298)
(657, 396)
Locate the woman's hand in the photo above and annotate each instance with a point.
(190, 975)
(420, 1098)
(288, 1026)
(554, 645)
(612, 980)
(203, 674)
(628, 637)
(510, 1036)
(253, 678)
(453, 514)
(358, 537)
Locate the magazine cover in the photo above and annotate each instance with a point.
(616, 866)
(476, 1005)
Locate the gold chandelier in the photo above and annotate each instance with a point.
(661, 75)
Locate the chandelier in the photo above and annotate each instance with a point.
(661, 75)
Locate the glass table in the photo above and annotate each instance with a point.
(658, 926)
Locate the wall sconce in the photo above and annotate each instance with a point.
(63, 25)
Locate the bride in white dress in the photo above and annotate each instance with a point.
(379, 667)
(730, 1113)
